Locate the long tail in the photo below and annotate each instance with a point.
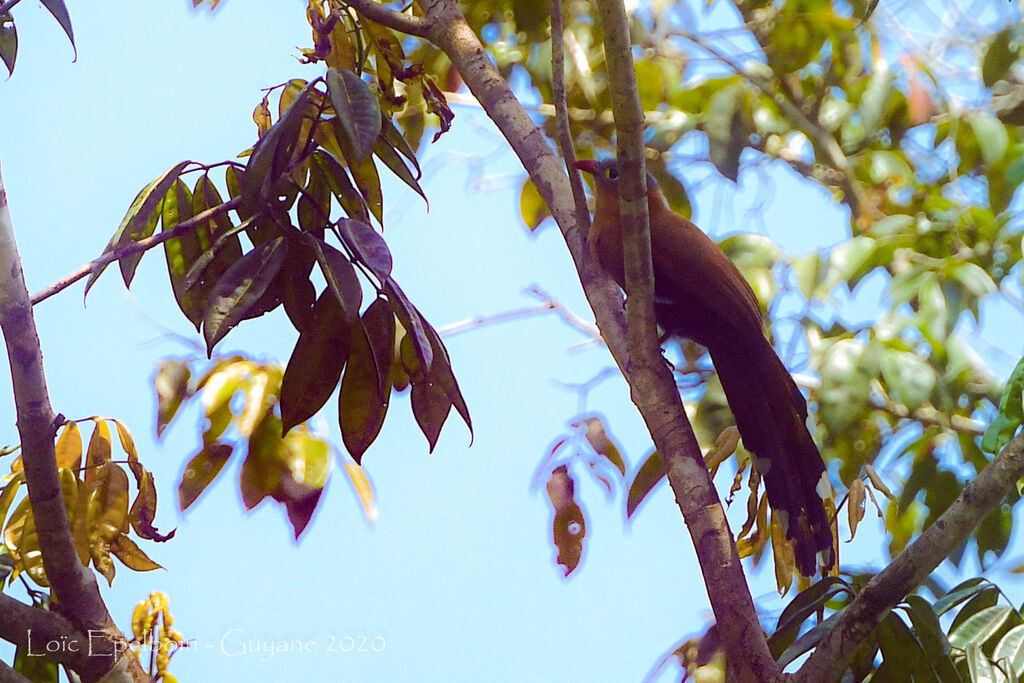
(771, 415)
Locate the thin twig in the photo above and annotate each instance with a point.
(824, 139)
(399, 21)
(135, 248)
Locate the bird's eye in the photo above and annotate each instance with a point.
(613, 173)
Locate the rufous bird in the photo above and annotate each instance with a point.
(701, 295)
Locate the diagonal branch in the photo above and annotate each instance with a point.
(911, 567)
(135, 248)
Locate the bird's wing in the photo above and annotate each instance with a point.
(699, 269)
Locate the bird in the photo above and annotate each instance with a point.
(701, 295)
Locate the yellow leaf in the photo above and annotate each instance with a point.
(99, 449)
(127, 443)
(363, 488)
(131, 555)
(7, 497)
(256, 404)
(876, 481)
(261, 115)
(69, 447)
(140, 620)
(785, 558)
(855, 506)
(108, 505)
(725, 446)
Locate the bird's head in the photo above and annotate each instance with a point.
(606, 174)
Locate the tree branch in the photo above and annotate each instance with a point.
(399, 21)
(75, 591)
(32, 628)
(9, 675)
(135, 248)
(661, 406)
(914, 564)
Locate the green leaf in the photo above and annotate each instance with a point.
(808, 639)
(314, 209)
(998, 58)
(1011, 647)
(875, 100)
(181, 252)
(60, 13)
(219, 247)
(979, 667)
(1011, 413)
(892, 225)
(725, 130)
(138, 223)
(650, 83)
(847, 371)
(315, 365)
(979, 627)
(803, 605)
(365, 175)
(366, 385)
(890, 167)
(850, 261)
(808, 270)
(8, 42)
(974, 278)
(909, 377)
(929, 632)
(963, 591)
(201, 471)
(357, 108)
(368, 246)
(900, 649)
(35, 668)
(648, 475)
(235, 296)
(991, 135)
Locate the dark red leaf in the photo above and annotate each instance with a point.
(316, 362)
(340, 275)
(430, 407)
(241, 288)
(366, 386)
(368, 246)
(357, 108)
(412, 322)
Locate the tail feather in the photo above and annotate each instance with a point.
(770, 414)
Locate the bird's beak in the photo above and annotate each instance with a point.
(587, 166)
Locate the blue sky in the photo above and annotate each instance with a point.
(456, 579)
